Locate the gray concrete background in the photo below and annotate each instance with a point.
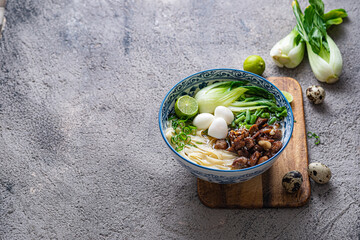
(81, 156)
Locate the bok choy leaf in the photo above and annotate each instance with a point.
(218, 94)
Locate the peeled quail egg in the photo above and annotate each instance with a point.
(218, 128)
(224, 113)
(292, 181)
(319, 172)
(203, 120)
(315, 94)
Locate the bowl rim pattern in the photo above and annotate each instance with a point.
(222, 170)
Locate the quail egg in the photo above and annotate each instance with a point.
(203, 120)
(224, 113)
(292, 181)
(319, 172)
(315, 94)
(218, 128)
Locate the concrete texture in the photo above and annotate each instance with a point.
(81, 156)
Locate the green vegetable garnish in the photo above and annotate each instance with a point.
(314, 135)
(272, 121)
(183, 130)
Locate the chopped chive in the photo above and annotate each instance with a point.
(314, 135)
(240, 119)
(248, 116)
(186, 130)
(253, 119)
(272, 120)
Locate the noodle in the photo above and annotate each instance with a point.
(200, 151)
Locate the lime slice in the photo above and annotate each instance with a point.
(288, 96)
(186, 106)
(254, 64)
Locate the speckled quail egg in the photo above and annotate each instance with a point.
(292, 181)
(315, 94)
(319, 172)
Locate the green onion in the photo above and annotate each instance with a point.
(272, 120)
(193, 130)
(248, 116)
(186, 130)
(240, 119)
(253, 119)
(259, 112)
(314, 135)
(183, 136)
(172, 117)
(240, 114)
(282, 114)
(182, 123)
(174, 139)
(179, 148)
(182, 129)
(248, 126)
(265, 115)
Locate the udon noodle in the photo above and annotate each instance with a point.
(201, 152)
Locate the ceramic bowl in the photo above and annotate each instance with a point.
(192, 84)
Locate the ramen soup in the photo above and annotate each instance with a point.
(237, 125)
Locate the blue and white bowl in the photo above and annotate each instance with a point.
(189, 86)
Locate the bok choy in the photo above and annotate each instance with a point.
(218, 94)
(238, 97)
(289, 51)
(324, 56)
(310, 31)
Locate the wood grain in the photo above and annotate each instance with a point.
(266, 190)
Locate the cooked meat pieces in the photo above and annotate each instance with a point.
(276, 146)
(261, 121)
(256, 145)
(221, 144)
(254, 158)
(239, 143)
(243, 153)
(249, 143)
(240, 162)
(258, 148)
(254, 128)
(265, 131)
(277, 135)
(263, 159)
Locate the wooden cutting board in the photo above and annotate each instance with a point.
(266, 190)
